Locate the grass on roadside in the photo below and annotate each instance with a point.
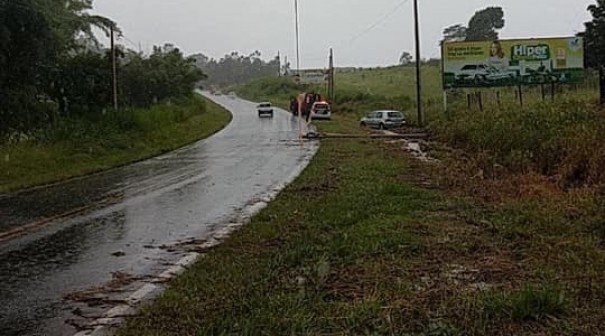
(359, 245)
(356, 246)
(79, 147)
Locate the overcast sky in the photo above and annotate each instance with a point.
(362, 32)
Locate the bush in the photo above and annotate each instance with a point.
(560, 140)
(86, 130)
(537, 303)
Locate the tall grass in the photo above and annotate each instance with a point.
(558, 137)
(112, 123)
(78, 146)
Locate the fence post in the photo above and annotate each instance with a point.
(552, 91)
(480, 100)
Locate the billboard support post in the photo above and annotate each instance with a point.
(480, 100)
(552, 91)
(443, 82)
(520, 88)
(498, 99)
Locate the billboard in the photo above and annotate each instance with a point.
(311, 76)
(513, 62)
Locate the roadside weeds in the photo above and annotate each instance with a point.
(371, 241)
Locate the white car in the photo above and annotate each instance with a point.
(321, 110)
(265, 109)
(483, 73)
(474, 72)
(383, 119)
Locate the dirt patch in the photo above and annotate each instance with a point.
(330, 182)
(99, 295)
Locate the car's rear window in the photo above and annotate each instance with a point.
(395, 115)
(322, 106)
(264, 105)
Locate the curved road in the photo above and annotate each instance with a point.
(124, 224)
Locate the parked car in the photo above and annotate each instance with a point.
(483, 74)
(383, 119)
(265, 109)
(321, 110)
(472, 72)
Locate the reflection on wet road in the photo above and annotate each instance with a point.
(133, 211)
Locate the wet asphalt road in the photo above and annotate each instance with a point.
(135, 210)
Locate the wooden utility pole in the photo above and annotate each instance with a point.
(300, 119)
(331, 91)
(297, 38)
(418, 63)
(114, 71)
(278, 64)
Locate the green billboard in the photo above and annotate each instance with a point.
(513, 62)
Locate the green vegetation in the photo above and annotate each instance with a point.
(57, 114)
(235, 68)
(506, 240)
(593, 34)
(79, 146)
(359, 245)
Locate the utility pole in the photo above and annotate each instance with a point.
(300, 120)
(278, 64)
(297, 39)
(114, 72)
(331, 76)
(418, 77)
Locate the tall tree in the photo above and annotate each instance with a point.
(166, 74)
(235, 68)
(35, 35)
(454, 33)
(594, 36)
(484, 25)
(406, 58)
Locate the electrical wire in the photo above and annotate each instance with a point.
(379, 21)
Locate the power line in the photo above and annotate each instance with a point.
(379, 21)
(133, 44)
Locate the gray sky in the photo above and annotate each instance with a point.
(221, 26)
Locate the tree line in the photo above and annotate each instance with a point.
(236, 68)
(52, 66)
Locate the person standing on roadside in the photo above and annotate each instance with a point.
(294, 105)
